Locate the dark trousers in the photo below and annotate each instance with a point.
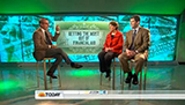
(58, 54)
(105, 59)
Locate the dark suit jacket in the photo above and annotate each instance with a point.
(141, 42)
(40, 43)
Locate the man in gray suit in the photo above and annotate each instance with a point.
(45, 49)
(136, 47)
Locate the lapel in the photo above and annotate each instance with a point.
(130, 37)
(42, 34)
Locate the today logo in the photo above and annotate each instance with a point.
(42, 94)
(49, 94)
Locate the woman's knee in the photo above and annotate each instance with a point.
(109, 56)
(101, 54)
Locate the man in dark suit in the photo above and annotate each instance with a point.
(136, 47)
(45, 49)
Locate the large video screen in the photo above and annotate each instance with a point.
(82, 36)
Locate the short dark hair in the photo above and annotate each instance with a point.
(136, 18)
(41, 20)
(115, 24)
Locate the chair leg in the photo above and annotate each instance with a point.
(45, 80)
(140, 83)
(121, 78)
(50, 79)
(129, 85)
(109, 78)
(145, 74)
(131, 67)
(38, 82)
(59, 77)
(101, 78)
(114, 75)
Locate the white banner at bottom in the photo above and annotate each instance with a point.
(104, 94)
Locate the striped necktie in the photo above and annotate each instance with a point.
(133, 37)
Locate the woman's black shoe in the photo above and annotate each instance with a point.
(107, 75)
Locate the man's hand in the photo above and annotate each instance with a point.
(133, 53)
(108, 49)
(130, 53)
(53, 46)
(57, 28)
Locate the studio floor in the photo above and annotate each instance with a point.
(18, 84)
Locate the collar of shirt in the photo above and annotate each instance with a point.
(42, 30)
(137, 29)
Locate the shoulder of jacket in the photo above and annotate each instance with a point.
(108, 35)
(128, 32)
(144, 29)
(37, 30)
(120, 33)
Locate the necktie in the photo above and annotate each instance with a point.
(133, 37)
(48, 41)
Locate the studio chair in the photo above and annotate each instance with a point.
(142, 84)
(114, 65)
(45, 72)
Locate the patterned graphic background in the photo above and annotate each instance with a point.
(82, 37)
